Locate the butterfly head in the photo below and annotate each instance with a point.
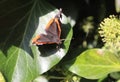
(59, 15)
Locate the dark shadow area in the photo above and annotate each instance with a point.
(48, 49)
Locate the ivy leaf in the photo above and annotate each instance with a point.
(94, 64)
(20, 60)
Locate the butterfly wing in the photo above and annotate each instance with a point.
(53, 32)
(53, 29)
(41, 39)
(52, 35)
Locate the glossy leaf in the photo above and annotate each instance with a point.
(94, 64)
(20, 60)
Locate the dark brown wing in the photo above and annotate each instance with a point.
(53, 32)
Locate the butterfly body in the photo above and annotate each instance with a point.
(53, 32)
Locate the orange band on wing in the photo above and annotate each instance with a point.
(49, 23)
(58, 25)
(34, 40)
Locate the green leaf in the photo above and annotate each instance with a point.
(20, 61)
(94, 64)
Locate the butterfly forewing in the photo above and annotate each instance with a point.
(51, 36)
